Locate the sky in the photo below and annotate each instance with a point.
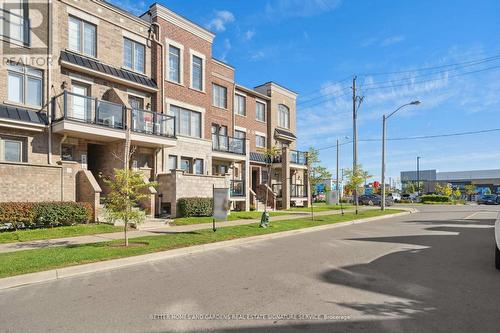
(400, 51)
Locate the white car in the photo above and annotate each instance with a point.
(396, 197)
(497, 239)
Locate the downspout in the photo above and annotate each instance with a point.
(155, 38)
(49, 80)
(233, 113)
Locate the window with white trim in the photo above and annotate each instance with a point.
(283, 116)
(25, 85)
(240, 134)
(188, 123)
(260, 141)
(172, 162)
(134, 55)
(240, 105)
(260, 111)
(174, 64)
(12, 149)
(197, 74)
(219, 96)
(198, 167)
(82, 36)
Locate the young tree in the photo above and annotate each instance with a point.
(317, 172)
(271, 155)
(470, 190)
(457, 194)
(445, 190)
(127, 189)
(355, 179)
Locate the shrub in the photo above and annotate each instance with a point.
(434, 198)
(44, 214)
(187, 207)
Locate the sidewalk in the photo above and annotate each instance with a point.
(39, 244)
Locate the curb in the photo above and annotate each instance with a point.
(72, 271)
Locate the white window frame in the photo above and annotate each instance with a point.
(169, 43)
(192, 54)
(23, 72)
(282, 107)
(178, 121)
(21, 141)
(257, 102)
(223, 99)
(236, 104)
(176, 162)
(82, 23)
(134, 45)
(262, 135)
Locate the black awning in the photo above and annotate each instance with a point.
(19, 114)
(284, 133)
(106, 69)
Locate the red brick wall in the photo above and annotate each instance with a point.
(250, 122)
(218, 115)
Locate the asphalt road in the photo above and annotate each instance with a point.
(427, 272)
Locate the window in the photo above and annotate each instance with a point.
(12, 149)
(67, 153)
(186, 164)
(283, 116)
(260, 141)
(197, 74)
(172, 162)
(240, 105)
(219, 96)
(136, 103)
(260, 111)
(24, 85)
(133, 55)
(188, 122)
(198, 167)
(174, 64)
(240, 134)
(82, 36)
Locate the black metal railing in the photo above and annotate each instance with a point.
(228, 144)
(298, 191)
(14, 27)
(277, 189)
(237, 188)
(298, 157)
(91, 110)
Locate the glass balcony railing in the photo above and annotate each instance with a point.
(237, 188)
(298, 157)
(298, 191)
(14, 26)
(228, 144)
(277, 189)
(91, 110)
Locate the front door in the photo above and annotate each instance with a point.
(255, 179)
(80, 106)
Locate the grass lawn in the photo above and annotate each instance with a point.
(319, 207)
(21, 262)
(232, 217)
(59, 232)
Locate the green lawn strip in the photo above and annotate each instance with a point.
(28, 261)
(319, 208)
(233, 216)
(59, 232)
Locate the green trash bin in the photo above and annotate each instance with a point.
(264, 220)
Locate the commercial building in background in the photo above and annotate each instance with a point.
(80, 79)
(484, 180)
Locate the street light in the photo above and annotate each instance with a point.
(337, 175)
(384, 120)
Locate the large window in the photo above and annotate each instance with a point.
(12, 149)
(260, 141)
(188, 122)
(174, 64)
(25, 85)
(219, 96)
(240, 134)
(186, 164)
(260, 111)
(197, 74)
(172, 162)
(133, 55)
(283, 116)
(240, 106)
(198, 167)
(82, 36)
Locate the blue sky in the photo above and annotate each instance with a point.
(310, 45)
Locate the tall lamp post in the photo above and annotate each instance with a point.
(384, 120)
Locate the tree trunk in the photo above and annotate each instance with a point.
(125, 232)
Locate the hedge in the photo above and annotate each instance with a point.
(44, 214)
(188, 207)
(434, 198)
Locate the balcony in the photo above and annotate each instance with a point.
(278, 189)
(228, 145)
(88, 117)
(298, 191)
(14, 27)
(298, 157)
(237, 188)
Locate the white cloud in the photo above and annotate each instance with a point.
(226, 48)
(221, 19)
(392, 40)
(249, 34)
(383, 42)
(258, 55)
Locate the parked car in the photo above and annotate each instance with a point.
(396, 197)
(488, 199)
(497, 241)
(375, 200)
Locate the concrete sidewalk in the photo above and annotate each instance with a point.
(39, 244)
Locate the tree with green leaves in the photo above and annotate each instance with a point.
(355, 180)
(127, 188)
(271, 154)
(317, 172)
(470, 190)
(457, 194)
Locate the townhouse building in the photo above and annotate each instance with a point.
(89, 87)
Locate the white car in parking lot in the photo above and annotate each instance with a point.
(497, 241)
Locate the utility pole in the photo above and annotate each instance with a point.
(354, 138)
(337, 184)
(382, 202)
(418, 175)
